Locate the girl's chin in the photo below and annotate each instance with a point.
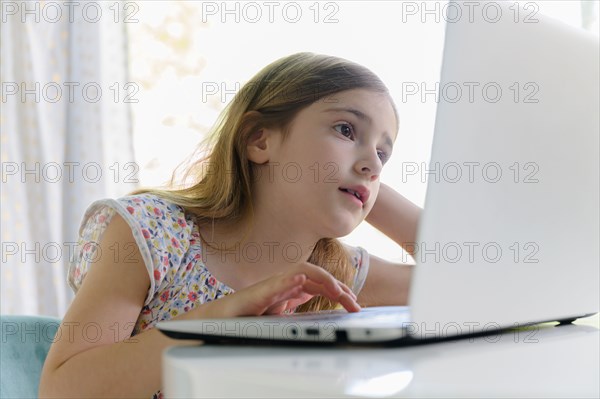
(343, 230)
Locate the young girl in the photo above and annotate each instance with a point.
(293, 162)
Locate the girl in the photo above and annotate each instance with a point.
(293, 162)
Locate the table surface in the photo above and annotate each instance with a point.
(541, 361)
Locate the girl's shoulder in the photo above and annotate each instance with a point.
(143, 209)
(166, 237)
(149, 205)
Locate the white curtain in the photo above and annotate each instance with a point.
(66, 139)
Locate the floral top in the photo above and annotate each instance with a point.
(169, 243)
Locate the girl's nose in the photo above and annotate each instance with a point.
(369, 166)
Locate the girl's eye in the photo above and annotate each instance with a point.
(346, 128)
(383, 157)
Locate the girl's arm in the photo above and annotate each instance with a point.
(94, 355)
(396, 217)
(388, 283)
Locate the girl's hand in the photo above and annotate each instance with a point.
(285, 291)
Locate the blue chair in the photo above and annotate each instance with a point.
(25, 344)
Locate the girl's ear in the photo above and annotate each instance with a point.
(261, 141)
(260, 145)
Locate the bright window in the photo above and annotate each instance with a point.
(188, 64)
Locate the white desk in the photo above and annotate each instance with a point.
(543, 361)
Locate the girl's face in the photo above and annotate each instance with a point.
(339, 142)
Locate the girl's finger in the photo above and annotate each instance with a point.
(314, 288)
(319, 289)
(348, 291)
(280, 306)
(349, 303)
(347, 300)
(321, 276)
(258, 298)
(289, 287)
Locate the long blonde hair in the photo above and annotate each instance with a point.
(271, 99)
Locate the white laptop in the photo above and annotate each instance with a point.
(510, 231)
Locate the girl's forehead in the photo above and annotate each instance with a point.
(356, 96)
(368, 106)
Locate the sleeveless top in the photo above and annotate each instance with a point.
(169, 243)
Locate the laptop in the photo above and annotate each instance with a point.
(509, 235)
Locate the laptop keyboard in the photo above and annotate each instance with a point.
(385, 315)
